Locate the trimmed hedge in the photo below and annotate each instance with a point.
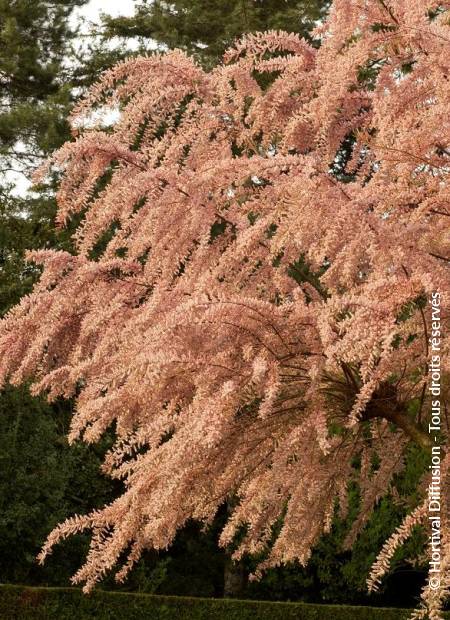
(26, 603)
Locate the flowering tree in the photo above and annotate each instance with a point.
(250, 300)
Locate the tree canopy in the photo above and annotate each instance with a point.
(205, 28)
(262, 249)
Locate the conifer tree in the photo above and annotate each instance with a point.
(205, 28)
(36, 97)
(35, 43)
(39, 474)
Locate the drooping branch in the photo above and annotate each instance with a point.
(384, 405)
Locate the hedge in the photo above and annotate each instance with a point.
(26, 603)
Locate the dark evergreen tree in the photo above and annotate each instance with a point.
(35, 98)
(41, 478)
(205, 28)
(35, 38)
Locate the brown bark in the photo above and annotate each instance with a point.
(385, 405)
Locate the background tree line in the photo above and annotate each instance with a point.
(42, 479)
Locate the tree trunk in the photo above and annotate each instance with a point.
(234, 579)
(234, 574)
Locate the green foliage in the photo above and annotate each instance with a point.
(193, 566)
(25, 223)
(42, 482)
(22, 603)
(206, 28)
(35, 39)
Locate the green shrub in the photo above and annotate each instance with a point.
(26, 603)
